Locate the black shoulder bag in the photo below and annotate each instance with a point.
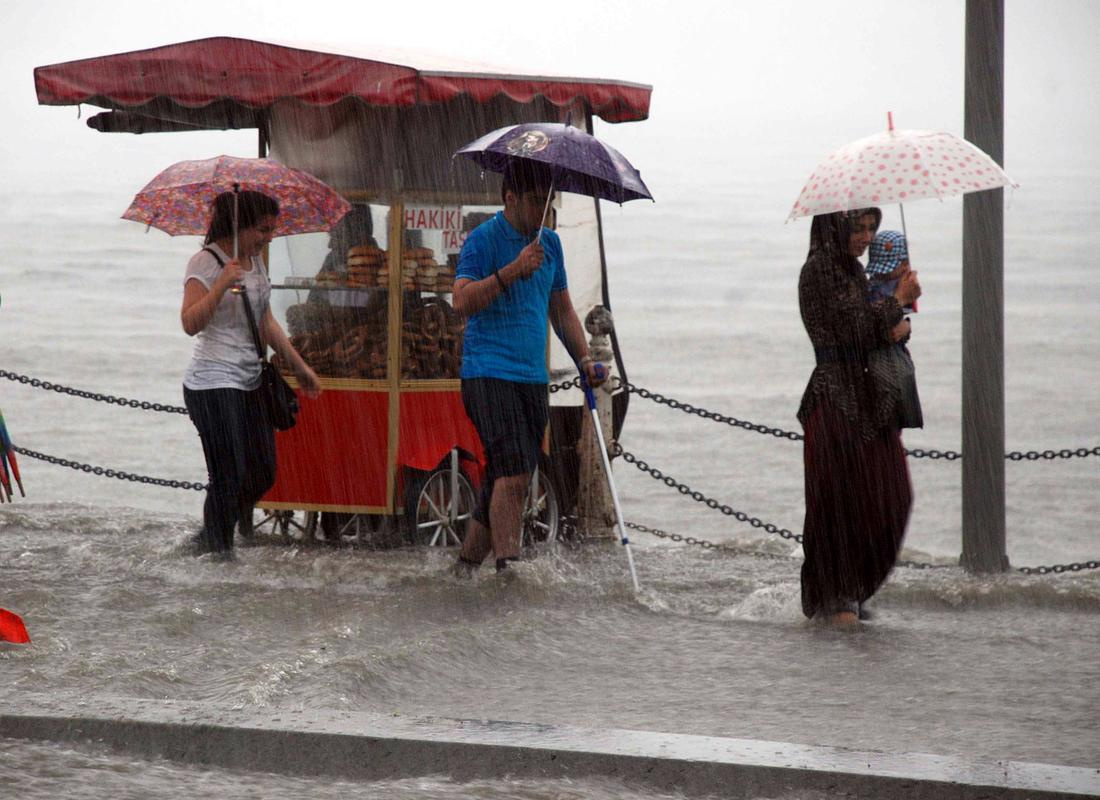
(279, 401)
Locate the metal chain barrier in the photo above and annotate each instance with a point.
(1050, 455)
(102, 398)
(110, 473)
(949, 455)
(699, 497)
(676, 537)
(630, 458)
(1058, 569)
(686, 490)
(687, 408)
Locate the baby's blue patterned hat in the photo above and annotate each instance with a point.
(888, 250)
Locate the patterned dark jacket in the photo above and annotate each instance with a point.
(844, 327)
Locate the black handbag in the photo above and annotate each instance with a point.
(278, 399)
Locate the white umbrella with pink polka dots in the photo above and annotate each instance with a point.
(897, 166)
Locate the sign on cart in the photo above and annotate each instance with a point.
(433, 218)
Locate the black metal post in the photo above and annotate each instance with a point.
(983, 407)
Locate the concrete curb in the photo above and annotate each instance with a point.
(367, 746)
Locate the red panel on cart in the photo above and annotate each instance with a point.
(336, 454)
(431, 424)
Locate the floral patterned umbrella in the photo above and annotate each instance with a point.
(178, 200)
(895, 167)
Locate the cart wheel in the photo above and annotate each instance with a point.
(437, 515)
(541, 510)
(286, 524)
(309, 532)
(272, 523)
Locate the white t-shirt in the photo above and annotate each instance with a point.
(225, 356)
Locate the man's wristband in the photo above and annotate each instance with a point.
(500, 280)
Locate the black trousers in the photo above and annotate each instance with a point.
(239, 444)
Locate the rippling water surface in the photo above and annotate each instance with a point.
(715, 644)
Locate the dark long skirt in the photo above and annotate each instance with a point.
(858, 498)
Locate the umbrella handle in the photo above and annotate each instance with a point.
(905, 233)
(236, 235)
(237, 287)
(545, 211)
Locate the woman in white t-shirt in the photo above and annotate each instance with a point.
(221, 382)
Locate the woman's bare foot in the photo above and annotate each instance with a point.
(844, 619)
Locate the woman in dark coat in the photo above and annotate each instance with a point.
(858, 493)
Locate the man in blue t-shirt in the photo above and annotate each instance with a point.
(510, 282)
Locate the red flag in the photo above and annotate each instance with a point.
(12, 628)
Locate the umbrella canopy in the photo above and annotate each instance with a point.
(897, 166)
(578, 161)
(178, 200)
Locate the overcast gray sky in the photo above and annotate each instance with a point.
(734, 82)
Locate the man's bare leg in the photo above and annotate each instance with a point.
(506, 513)
(477, 543)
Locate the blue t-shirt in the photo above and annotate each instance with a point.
(507, 338)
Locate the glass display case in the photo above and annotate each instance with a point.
(368, 306)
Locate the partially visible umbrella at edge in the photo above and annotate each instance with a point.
(8, 461)
(12, 628)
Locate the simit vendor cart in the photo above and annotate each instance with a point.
(368, 305)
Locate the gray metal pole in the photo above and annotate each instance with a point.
(983, 407)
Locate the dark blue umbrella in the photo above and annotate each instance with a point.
(578, 161)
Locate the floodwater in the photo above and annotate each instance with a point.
(1000, 667)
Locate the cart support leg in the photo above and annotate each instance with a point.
(595, 509)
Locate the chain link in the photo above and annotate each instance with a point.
(102, 398)
(110, 473)
(779, 433)
(560, 387)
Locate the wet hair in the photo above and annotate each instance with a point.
(251, 208)
(829, 233)
(521, 177)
